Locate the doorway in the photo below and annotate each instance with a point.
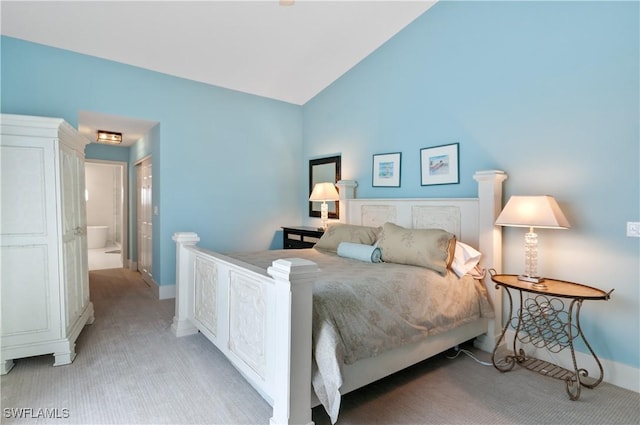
(145, 218)
(106, 199)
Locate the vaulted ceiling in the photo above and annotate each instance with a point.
(288, 53)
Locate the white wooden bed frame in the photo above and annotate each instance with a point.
(261, 321)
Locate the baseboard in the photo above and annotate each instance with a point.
(615, 373)
(162, 292)
(165, 292)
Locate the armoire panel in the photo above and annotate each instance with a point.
(25, 277)
(23, 186)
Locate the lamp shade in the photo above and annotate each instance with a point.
(324, 192)
(533, 211)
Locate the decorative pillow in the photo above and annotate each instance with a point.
(430, 248)
(340, 232)
(359, 251)
(465, 259)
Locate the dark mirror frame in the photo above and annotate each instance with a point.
(322, 161)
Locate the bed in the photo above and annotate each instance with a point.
(258, 311)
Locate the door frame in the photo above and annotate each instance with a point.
(124, 167)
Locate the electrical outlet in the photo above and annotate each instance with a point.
(633, 229)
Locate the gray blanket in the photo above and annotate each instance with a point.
(362, 309)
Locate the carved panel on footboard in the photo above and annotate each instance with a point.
(247, 319)
(206, 294)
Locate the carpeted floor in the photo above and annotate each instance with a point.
(130, 369)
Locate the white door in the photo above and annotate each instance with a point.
(145, 217)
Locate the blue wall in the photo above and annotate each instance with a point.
(546, 91)
(217, 156)
(107, 153)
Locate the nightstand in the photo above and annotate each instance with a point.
(300, 237)
(545, 321)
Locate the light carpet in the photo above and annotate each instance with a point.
(130, 369)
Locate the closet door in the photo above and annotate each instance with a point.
(74, 238)
(145, 219)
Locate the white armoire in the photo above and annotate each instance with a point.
(45, 278)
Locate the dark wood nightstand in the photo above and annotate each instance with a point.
(545, 321)
(300, 237)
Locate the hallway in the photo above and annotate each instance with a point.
(109, 257)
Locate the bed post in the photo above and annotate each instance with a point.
(490, 244)
(294, 303)
(182, 325)
(346, 190)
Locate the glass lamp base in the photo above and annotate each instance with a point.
(324, 216)
(531, 261)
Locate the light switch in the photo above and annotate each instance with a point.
(155, 210)
(633, 229)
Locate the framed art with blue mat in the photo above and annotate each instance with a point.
(440, 165)
(386, 169)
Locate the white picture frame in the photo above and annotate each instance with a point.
(440, 165)
(386, 169)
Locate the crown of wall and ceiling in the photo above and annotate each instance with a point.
(259, 47)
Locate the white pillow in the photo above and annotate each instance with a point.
(464, 259)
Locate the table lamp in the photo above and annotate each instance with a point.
(323, 192)
(532, 211)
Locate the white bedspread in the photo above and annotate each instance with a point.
(362, 309)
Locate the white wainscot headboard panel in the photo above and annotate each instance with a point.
(456, 215)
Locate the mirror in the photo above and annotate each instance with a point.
(324, 170)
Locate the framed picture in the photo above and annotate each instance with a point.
(439, 165)
(386, 170)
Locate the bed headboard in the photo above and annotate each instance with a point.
(458, 216)
(467, 218)
(470, 219)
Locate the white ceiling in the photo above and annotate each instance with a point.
(289, 53)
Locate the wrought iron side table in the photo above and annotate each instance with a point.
(546, 322)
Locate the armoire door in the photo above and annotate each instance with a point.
(29, 241)
(74, 238)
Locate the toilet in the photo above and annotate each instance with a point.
(97, 236)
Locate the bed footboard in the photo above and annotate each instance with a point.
(253, 318)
